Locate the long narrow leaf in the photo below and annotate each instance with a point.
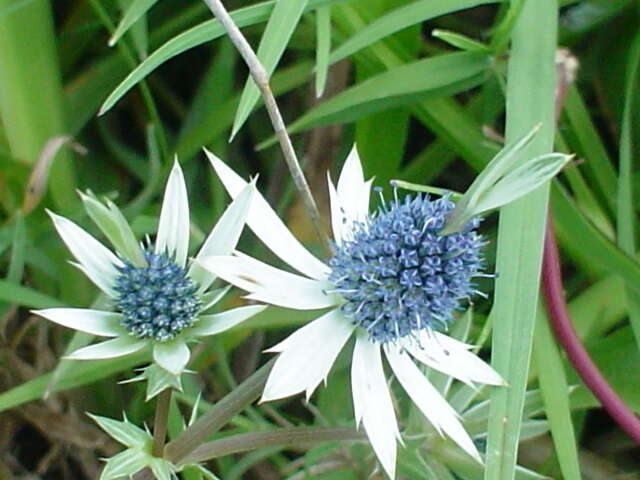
(205, 32)
(530, 100)
(323, 46)
(555, 392)
(282, 22)
(626, 208)
(399, 19)
(134, 12)
(430, 77)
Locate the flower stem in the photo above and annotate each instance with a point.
(247, 392)
(283, 436)
(566, 335)
(160, 422)
(261, 77)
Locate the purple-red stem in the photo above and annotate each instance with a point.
(568, 338)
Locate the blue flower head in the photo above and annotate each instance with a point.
(398, 274)
(157, 300)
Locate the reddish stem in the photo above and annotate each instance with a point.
(568, 338)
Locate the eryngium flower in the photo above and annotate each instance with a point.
(159, 299)
(392, 281)
(398, 275)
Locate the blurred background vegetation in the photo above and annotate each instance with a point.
(422, 107)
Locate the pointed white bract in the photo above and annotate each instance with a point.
(173, 356)
(352, 189)
(95, 322)
(220, 322)
(372, 401)
(339, 219)
(106, 269)
(305, 357)
(269, 284)
(432, 405)
(116, 347)
(266, 224)
(350, 200)
(97, 262)
(452, 358)
(173, 228)
(224, 236)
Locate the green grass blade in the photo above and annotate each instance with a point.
(461, 41)
(202, 33)
(16, 265)
(461, 132)
(589, 145)
(530, 100)
(132, 14)
(27, 297)
(138, 32)
(323, 47)
(555, 392)
(584, 196)
(430, 77)
(617, 358)
(601, 251)
(215, 122)
(204, 113)
(626, 208)
(503, 31)
(444, 116)
(31, 103)
(18, 250)
(598, 308)
(399, 19)
(282, 22)
(81, 373)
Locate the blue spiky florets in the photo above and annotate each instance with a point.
(157, 301)
(398, 274)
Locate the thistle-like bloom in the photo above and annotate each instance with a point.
(392, 282)
(158, 299)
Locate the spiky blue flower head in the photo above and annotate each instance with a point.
(158, 300)
(398, 274)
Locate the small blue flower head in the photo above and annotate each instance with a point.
(398, 274)
(158, 296)
(158, 300)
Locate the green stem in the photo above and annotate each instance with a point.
(283, 436)
(246, 393)
(160, 422)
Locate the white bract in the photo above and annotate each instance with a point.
(306, 357)
(159, 298)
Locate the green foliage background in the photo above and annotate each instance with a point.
(422, 107)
